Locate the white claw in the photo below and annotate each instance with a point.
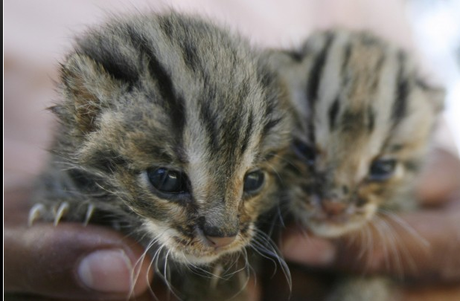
(35, 212)
(216, 276)
(89, 214)
(61, 211)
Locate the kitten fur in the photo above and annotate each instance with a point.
(173, 94)
(364, 118)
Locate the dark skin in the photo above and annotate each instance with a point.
(43, 259)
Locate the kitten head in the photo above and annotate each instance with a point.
(181, 125)
(364, 120)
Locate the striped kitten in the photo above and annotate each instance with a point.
(173, 129)
(364, 120)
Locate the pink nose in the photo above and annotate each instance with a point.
(333, 207)
(219, 242)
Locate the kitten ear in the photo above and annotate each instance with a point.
(435, 95)
(87, 87)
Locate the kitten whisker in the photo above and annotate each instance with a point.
(393, 243)
(268, 247)
(380, 232)
(417, 238)
(408, 228)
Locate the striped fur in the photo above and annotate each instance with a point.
(359, 100)
(176, 92)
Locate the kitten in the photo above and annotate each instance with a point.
(173, 129)
(364, 120)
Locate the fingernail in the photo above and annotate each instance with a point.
(309, 250)
(107, 271)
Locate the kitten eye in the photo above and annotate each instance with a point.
(305, 152)
(168, 181)
(253, 181)
(381, 170)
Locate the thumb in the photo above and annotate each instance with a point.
(421, 245)
(69, 260)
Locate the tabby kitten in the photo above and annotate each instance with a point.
(172, 128)
(364, 120)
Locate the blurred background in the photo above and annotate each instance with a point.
(37, 35)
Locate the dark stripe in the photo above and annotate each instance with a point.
(333, 111)
(370, 119)
(316, 72)
(399, 109)
(293, 169)
(172, 103)
(106, 52)
(84, 181)
(231, 134)
(190, 53)
(352, 121)
(269, 156)
(311, 132)
(294, 55)
(210, 121)
(270, 120)
(396, 148)
(191, 57)
(266, 79)
(269, 124)
(377, 70)
(189, 49)
(412, 166)
(422, 84)
(345, 59)
(369, 39)
(166, 25)
(248, 132)
(106, 161)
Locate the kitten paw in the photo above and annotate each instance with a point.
(55, 213)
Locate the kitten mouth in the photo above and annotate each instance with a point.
(201, 252)
(332, 230)
(334, 226)
(332, 219)
(194, 248)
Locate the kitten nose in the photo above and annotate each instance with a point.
(217, 237)
(333, 207)
(219, 242)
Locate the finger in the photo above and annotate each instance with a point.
(70, 260)
(422, 245)
(440, 179)
(432, 293)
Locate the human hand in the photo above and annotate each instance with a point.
(423, 246)
(69, 261)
